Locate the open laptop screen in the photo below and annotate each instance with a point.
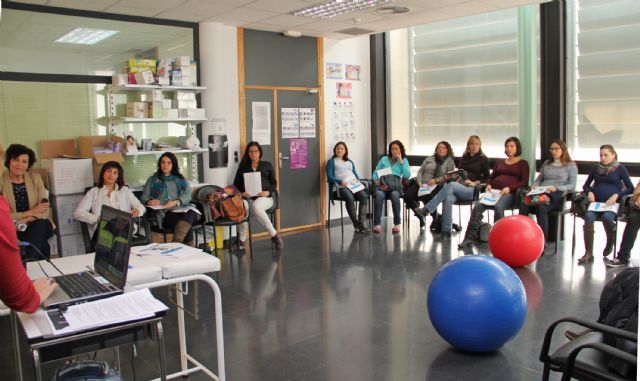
(112, 246)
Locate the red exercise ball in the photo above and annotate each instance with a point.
(516, 240)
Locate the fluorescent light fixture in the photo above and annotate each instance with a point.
(337, 7)
(86, 36)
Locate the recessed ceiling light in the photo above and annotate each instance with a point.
(337, 7)
(392, 10)
(86, 36)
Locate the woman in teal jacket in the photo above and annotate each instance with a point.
(390, 184)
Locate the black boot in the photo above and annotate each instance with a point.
(611, 238)
(351, 210)
(588, 245)
(419, 212)
(473, 230)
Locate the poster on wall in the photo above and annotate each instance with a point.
(343, 90)
(334, 70)
(343, 121)
(290, 123)
(298, 153)
(352, 72)
(261, 122)
(307, 122)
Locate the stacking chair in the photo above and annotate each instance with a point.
(588, 357)
(334, 196)
(557, 215)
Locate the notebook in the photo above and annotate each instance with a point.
(110, 264)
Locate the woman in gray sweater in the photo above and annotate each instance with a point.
(559, 176)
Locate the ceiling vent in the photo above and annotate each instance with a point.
(392, 10)
(355, 31)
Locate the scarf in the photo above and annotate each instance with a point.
(605, 170)
(159, 189)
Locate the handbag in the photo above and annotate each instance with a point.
(579, 204)
(232, 208)
(393, 182)
(536, 199)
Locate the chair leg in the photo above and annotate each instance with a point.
(558, 232)
(573, 237)
(341, 217)
(215, 240)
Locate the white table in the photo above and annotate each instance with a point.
(158, 271)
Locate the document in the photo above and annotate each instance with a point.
(426, 189)
(384, 171)
(537, 190)
(169, 249)
(122, 308)
(490, 198)
(603, 207)
(252, 183)
(177, 209)
(355, 186)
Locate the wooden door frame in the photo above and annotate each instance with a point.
(243, 87)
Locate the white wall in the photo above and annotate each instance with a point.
(353, 51)
(219, 73)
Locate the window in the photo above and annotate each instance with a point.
(603, 72)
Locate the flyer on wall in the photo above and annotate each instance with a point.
(352, 72)
(261, 122)
(298, 153)
(307, 122)
(343, 90)
(290, 123)
(334, 70)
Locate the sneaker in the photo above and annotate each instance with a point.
(278, 241)
(421, 212)
(377, 229)
(396, 229)
(360, 228)
(241, 244)
(616, 262)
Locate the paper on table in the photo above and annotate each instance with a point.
(426, 189)
(252, 183)
(490, 198)
(169, 249)
(384, 171)
(129, 306)
(537, 190)
(603, 207)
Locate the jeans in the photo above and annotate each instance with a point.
(629, 235)
(608, 219)
(451, 193)
(380, 197)
(542, 211)
(349, 199)
(259, 208)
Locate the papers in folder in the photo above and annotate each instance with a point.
(384, 171)
(537, 190)
(603, 207)
(426, 189)
(355, 186)
(252, 183)
(122, 308)
(490, 198)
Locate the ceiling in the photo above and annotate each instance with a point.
(273, 15)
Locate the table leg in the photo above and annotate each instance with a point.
(182, 339)
(160, 339)
(36, 364)
(16, 345)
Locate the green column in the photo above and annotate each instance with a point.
(527, 86)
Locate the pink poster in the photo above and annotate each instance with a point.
(298, 153)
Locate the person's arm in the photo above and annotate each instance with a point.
(423, 172)
(628, 185)
(572, 178)
(353, 166)
(83, 211)
(448, 166)
(41, 194)
(273, 183)
(587, 184)
(185, 195)
(540, 177)
(381, 164)
(331, 173)
(494, 173)
(486, 170)
(146, 191)
(406, 170)
(238, 180)
(134, 202)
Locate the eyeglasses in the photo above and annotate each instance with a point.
(555, 149)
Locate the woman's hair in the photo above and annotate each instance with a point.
(345, 157)
(16, 150)
(175, 171)
(517, 143)
(446, 144)
(565, 158)
(403, 153)
(109, 165)
(608, 147)
(469, 141)
(245, 158)
(131, 137)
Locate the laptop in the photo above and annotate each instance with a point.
(110, 265)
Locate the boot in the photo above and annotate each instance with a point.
(351, 211)
(588, 245)
(611, 237)
(473, 230)
(180, 231)
(421, 213)
(362, 213)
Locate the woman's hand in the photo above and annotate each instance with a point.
(171, 204)
(264, 194)
(26, 220)
(432, 182)
(551, 188)
(637, 202)
(591, 197)
(488, 188)
(612, 200)
(153, 202)
(44, 287)
(38, 209)
(344, 183)
(245, 195)
(135, 212)
(505, 190)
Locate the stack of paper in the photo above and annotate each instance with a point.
(603, 207)
(490, 198)
(169, 249)
(426, 189)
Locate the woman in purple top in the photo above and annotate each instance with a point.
(508, 176)
(608, 181)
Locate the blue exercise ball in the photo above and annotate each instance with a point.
(477, 303)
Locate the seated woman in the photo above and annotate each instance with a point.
(252, 162)
(476, 165)
(508, 176)
(110, 191)
(431, 173)
(27, 199)
(390, 185)
(558, 176)
(167, 188)
(604, 184)
(630, 232)
(340, 172)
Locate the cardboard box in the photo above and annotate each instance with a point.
(191, 113)
(170, 113)
(145, 78)
(154, 109)
(119, 79)
(155, 95)
(136, 109)
(184, 95)
(87, 143)
(184, 103)
(69, 245)
(63, 207)
(68, 176)
(164, 81)
(166, 103)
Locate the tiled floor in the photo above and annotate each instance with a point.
(349, 306)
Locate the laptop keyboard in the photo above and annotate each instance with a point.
(80, 284)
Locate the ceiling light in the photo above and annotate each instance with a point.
(337, 7)
(86, 36)
(392, 10)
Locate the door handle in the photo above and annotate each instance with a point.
(280, 158)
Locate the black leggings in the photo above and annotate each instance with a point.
(171, 219)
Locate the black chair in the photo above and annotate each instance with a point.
(558, 215)
(588, 357)
(208, 220)
(334, 196)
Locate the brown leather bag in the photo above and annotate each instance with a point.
(232, 208)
